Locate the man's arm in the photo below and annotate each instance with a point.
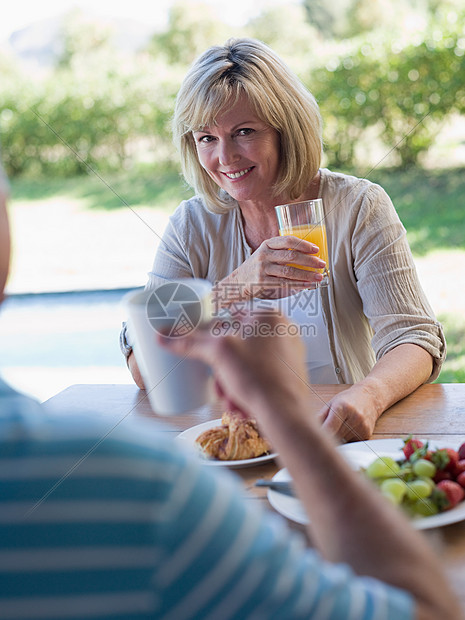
(350, 523)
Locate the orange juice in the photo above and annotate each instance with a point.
(315, 233)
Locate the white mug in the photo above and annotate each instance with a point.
(174, 384)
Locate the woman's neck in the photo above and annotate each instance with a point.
(259, 226)
(260, 221)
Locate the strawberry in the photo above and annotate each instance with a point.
(441, 459)
(453, 460)
(461, 451)
(460, 467)
(410, 446)
(442, 475)
(453, 492)
(461, 479)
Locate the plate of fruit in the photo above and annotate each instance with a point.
(423, 477)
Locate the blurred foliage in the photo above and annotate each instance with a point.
(384, 73)
(288, 33)
(345, 19)
(192, 28)
(96, 109)
(63, 127)
(331, 19)
(403, 93)
(453, 370)
(82, 35)
(429, 203)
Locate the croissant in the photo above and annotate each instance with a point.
(237, 438)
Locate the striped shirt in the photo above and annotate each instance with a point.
(121, 524)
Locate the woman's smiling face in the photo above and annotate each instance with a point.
(241, 153)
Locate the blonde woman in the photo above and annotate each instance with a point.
(250, 138)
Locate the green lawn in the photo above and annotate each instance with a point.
(161, 188)
(430, 204)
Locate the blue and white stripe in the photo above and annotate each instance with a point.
(137, 529)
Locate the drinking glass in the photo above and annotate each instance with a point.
(305, 220)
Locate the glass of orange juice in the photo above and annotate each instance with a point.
(305, 220)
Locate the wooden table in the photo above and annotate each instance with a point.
(434, 411)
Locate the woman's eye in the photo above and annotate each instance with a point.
(204, 139)
(245, 131)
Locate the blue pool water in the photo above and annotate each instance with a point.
(48, 340)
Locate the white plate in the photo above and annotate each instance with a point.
(361, 454)
(190, 435)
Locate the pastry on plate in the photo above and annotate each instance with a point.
(236, 439)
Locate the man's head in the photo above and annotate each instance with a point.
(4, 236)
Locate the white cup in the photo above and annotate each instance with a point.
(174, 384)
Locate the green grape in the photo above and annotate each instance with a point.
(405, 469)
(424, 508)
(422, 467)
(394, 487)
(418, 489)
(428, 481)
(382, 467)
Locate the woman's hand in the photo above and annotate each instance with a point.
(270, 271)
(351, 415)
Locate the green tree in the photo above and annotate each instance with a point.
(192, 27)
(421, 85)
(332, 19)
(347, 90)
(82, 36)
(402, 91)
(286, 30)
(91, 113)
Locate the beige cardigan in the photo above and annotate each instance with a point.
(375, 301)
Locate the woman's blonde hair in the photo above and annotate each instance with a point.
(215, 81)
